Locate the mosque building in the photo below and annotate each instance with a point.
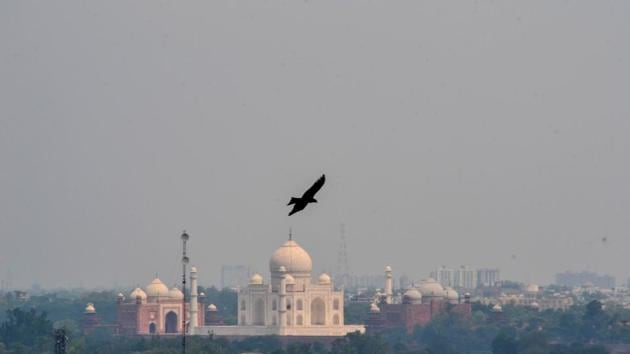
(156, 309)
(417, 305)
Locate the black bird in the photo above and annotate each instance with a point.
(307, 197)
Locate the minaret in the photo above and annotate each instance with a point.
(194, 320)
(388, 285)
(282, 293)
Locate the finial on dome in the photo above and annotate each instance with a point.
(290, 234)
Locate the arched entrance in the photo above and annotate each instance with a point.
(170, 322)
(152, 328)
(318, 312)
(259, 313)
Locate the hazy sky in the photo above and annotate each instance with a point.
(450, 133)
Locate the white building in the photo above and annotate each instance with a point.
(488, 276)
(290, 304)
(465, 278)
(444, 276)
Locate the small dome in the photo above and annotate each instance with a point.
(412, 296)
(388, 268)
(90, 308)
(157, 289)
(120, 296)
(212, 308)
(324, 279)
(256, 279)
(202, 294)
(193, 269)
(534, 305)
(293, 257)
(175, 294)
(431, 288)
(451, 294)
(497, 308)
(290, 279)
(138, 293)
(374, 308)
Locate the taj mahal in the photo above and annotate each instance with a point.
(289, 303)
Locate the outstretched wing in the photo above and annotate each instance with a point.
(310, 193)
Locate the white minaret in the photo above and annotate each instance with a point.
(194, 323)
(389, 293)
(282, 293)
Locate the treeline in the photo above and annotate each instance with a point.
(27, 327)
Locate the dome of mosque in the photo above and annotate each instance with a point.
(157, 289)
(175, 294)
(293, 257)
(212, 307)
(429, 287)
(412, 296)
(90, 308)
(256, 279)
(324, 279)
(451, 294)
(137, 292)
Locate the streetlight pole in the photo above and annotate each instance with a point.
(184, 238)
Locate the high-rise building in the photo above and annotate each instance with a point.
(444, 276)
(234, 276)
(488, 276)
(465, 277)
(404, 282)
(585, 278)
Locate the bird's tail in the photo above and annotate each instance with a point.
(293, 201)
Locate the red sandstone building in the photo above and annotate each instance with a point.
(154, 310)
(416, 307)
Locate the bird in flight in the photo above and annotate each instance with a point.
(307, 197)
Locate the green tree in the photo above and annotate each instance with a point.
(26, 331)
(504, 343)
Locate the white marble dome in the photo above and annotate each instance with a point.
(256, 279)
(429, 287)
(324, 279)
(90, 308)
(212, 307)
(137, 292)
(156, 289)
(293, 257)
(175, 294)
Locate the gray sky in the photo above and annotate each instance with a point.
(450, 133)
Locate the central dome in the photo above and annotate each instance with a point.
(157, 289)
(292, 257)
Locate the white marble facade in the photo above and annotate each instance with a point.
(291, 303)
